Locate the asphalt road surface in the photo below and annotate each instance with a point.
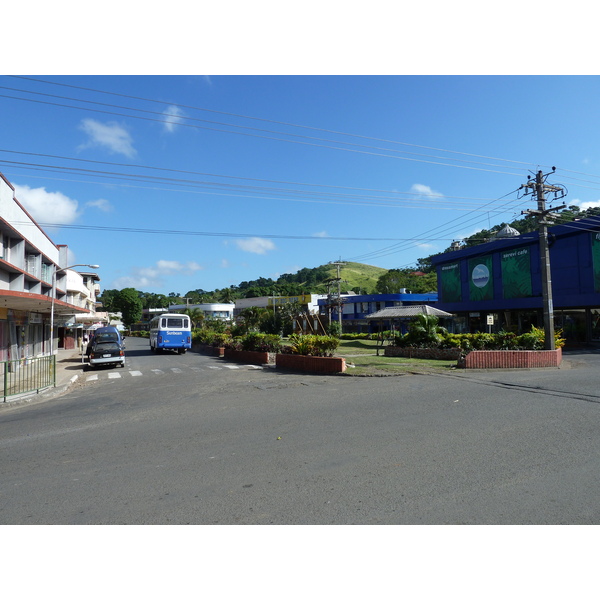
(193, 440)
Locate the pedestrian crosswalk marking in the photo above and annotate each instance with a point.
(134, 373)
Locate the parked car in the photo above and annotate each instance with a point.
(106, 348)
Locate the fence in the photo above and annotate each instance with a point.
(27, 375)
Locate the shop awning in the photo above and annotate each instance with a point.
(90, 318)
(37, 303)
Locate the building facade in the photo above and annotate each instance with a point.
(498, 285)
(32, 268)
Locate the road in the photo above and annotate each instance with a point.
(185, 440)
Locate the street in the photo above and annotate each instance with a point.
(193, 440)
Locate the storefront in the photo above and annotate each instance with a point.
(497, 286)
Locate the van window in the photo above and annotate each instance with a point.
(176, 322)
(110, 336)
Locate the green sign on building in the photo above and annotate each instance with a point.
(596, 260)
(450, 282)
(516, 273)
(481, 281)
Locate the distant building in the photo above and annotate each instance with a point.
(222, 311)
(356, 308)
(308, 301)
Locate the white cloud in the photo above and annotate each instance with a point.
(586, 205)
(111, 136)
(224, 263)
(47, 207)
(425, 190)
(321, 234)
(145, 277)
(100, 204)
(173, 117)
(255, 245)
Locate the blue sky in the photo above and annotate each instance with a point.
(174, 183)
(262, 153)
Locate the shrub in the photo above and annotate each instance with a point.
(334, 328)
(261, 342)
(313, 345)
(209, 337)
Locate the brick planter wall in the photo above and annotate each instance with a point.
(311, 364)
(247, 356)
(512, 359)
(432, 353)
(210, 350)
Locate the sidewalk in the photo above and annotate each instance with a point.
(69, 368)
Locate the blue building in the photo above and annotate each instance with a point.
(356, 307)
(498, 286)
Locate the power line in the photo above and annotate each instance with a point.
(179, 105)
(217, 175)
(212, 234)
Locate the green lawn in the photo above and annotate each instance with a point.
(361, 358)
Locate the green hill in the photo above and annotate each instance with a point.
(354, 276)
(357, 276)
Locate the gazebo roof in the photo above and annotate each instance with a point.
(407, 312)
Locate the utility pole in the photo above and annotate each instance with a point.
(339, 292)
(545, 216)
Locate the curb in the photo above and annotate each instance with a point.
(48, 393)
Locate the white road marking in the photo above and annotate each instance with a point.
(176, 370)
(92, 377)
(231, 366)
(135, 373)
(114, 375)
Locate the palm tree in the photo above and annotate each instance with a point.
(196, 316)
(424, 329)
(252, 316)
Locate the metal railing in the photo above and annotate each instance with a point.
(27, 375)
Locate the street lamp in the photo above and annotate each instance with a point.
(54, 297)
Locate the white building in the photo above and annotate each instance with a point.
(212, 310)
(309, 301)
(29, 262)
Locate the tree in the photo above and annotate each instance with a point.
(196, 316)
(252, 316)
(227, 294)
(128, 303)
(108, 300)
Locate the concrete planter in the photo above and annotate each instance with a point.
(248, 357)
(310, 364)
(512, 359)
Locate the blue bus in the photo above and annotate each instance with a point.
(170, 332)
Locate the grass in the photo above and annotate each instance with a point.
(362, 355)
